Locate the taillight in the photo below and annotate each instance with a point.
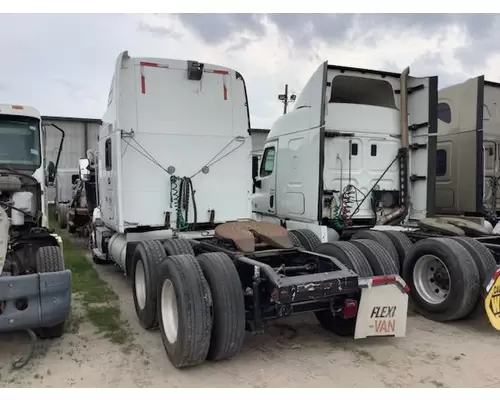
(350, 308)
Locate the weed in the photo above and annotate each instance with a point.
(99, 301)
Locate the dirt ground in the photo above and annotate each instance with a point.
(295, 352)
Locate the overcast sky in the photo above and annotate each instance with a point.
(63, 64)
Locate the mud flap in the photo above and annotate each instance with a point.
(383, 307)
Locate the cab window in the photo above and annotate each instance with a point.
(267, 165)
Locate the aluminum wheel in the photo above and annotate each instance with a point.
(169, 313)
(431, 279)
(140, 285)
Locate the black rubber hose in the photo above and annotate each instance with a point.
(195, 209)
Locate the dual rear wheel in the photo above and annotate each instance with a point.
(197, 302)
(445, 276)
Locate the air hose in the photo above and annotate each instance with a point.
(181, 192)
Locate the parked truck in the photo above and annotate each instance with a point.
(351, 179)
(76, 214)
(174, 185)
(35, 286)
(63, 184)
(468, 154)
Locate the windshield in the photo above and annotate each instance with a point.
(20, 142)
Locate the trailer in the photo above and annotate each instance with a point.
(174, 184)
(35, 286)
(371, 182)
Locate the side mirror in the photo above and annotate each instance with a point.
(50, 173)
(83, 166)
(255, 173)
(52, 169)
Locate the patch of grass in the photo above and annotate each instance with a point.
(86, 279)
(99, 301)
(107, 320)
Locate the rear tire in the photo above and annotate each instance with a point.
(380, 238)
(52, 332)
(184, 311)
(294, 238)
(485, 262)
(352, 258)
(379, 258)
(177, 247)
(349, 255)
(228, 332)
(401, 243)
(148, 256)
(307, 239)
(62, 215)
(442, 294)
(49, 259)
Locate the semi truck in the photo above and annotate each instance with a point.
(35, 286)
(76, 213)
(468, 152)
(356, 160)
(174, 184)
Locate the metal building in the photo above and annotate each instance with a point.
(80, 135)
(259, 137)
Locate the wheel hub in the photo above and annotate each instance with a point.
(432, 279)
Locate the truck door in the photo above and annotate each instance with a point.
(490, 173)
(472, 150)
(264, 200)
(460, 185)
(422, 121)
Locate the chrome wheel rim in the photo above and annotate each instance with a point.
(170, 317)
(432, 279)
(140, 285)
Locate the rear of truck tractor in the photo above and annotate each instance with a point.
(204, 291)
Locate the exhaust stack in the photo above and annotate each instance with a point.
(404, 108)
(398, 215)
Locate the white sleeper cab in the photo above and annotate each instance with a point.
(357, 164)
(174, 183)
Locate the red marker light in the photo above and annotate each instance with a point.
(350, 308)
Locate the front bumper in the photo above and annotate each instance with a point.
(34, 301)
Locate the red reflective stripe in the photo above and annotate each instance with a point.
(220, 72)
(383, 279)
(496, 275)
(149, 64)
(143, 84)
